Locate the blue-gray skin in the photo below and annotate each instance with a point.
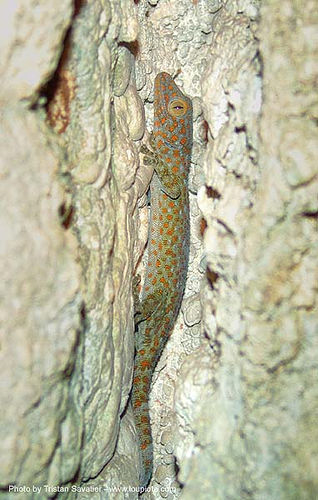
(168, 248)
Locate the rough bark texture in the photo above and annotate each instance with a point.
(235, 398)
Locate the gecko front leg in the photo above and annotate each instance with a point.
(170, 181)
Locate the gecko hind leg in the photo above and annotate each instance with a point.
(149, 305)
(145, 308)
(135, 292)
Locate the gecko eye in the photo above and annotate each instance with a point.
(177, 107)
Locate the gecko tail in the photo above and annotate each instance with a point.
(145, 445)
(146, 467)
(142, 420)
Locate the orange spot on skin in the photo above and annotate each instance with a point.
(162, 280)
(176, 153)
(154, 281)
(145, 364)
(174, 138)
(158, 263)
(175, 170)
(157, 123)
(137, 403)
(166, 225)
(169, 217)
(170, 232)
(182, 130)
(171, 204)
(141, 352)
(183, 141)
(163, 120)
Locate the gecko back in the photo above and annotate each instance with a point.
(168, 247)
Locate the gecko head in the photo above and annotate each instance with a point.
(172, 118)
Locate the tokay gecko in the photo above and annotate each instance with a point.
(168, 247)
